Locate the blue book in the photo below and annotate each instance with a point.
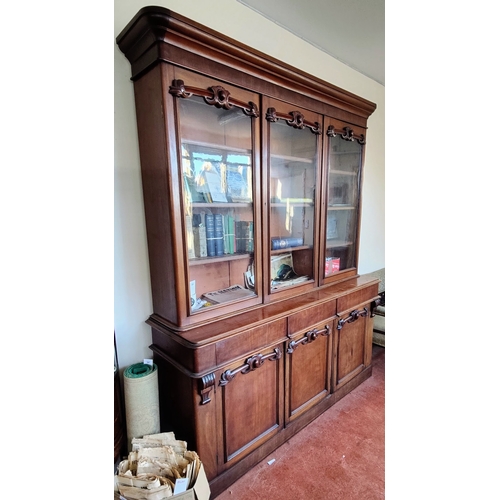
(279, 243)
(210, 233)
(219, 234)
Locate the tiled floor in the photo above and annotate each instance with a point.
(340, 455)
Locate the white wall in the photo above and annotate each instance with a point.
(132, 283)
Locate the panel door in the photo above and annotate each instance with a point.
(352, 345)
(308, 369)
(250, 403)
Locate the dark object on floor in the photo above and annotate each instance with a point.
(379, 318)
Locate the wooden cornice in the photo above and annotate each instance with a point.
(154, 31)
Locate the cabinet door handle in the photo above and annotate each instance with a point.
(251, 364)
(353, 316)
(309, 337)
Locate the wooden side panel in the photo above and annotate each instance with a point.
(251, 407)
(183, 412)
(158, 193)
(308, 369)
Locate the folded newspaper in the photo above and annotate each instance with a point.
(228, 294)
(154, 466)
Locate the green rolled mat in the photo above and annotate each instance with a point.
(142, 408)
(139, 370)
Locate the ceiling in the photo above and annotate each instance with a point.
(352, 31)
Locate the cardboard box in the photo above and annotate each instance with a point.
(200, 490)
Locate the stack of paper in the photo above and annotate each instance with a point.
(158, 467)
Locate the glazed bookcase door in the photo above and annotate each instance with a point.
(217, 129)
(293, 138)
(344, 146)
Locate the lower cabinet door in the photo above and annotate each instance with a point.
(250, 403)
(352, 345)
(308, 369)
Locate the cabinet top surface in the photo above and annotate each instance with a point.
(208, 333)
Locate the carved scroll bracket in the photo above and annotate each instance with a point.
(216, 96)
(295, 119)
(309, 337)
(251, 364)
(347, 134)
(205, 386)
(353, 316)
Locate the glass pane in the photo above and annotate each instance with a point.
(292, 197)
(343, 196)
(218, 202)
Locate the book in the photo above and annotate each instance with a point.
(278, 243)
(232, 234)
(229, 247)
(210, 234)
(191, 191)
(228, 294)
(211, 186)
(190, 237)
(277, 285)
(244, 236)
(237, 187)
(200, 241)
(225, 221)
(219, 234)
(331, 228)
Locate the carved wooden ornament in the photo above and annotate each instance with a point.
(216, 96)
(309, 337)
(251, 364)
(295, 119)
(353, 316)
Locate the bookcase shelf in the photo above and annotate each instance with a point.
(297, 204)
(342, 172)
(338, 243)
(216, 148)
(284, 160)
(343, 153)
(341, 207)
(221, 205)
(290, 249)
(223, 258)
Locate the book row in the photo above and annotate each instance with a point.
(214, 235)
